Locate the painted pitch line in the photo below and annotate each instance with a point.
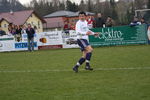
(96, 69)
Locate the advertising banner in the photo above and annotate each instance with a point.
(70, 40)
(122, 35)
(23, 44)
(49, 40)
(7, 43)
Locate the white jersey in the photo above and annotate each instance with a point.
(82, 29)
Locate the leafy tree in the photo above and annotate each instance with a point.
(82, 6)
(71, 6)
(146, 16)
(114, 14)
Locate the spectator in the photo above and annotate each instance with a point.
(72, 26)
(23, 31)
(66, 28)
(109, 22)
(135, 22)
(90, 22)
(30, 34)
(143, 21)
(18, 33)
(2, 32)
(99, 21)
(12, 29)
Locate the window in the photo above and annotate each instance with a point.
(38, 24)
(32, 23)
(5, 25)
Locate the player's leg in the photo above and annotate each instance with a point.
(80, 62)
(29, 44)
(82, 59)
(89, 50)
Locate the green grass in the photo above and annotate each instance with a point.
(67, 85)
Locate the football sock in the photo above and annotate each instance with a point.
(80, 62)
(88, 58)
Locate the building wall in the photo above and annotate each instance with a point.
(35, 21)
(71, 21)
(4, 24)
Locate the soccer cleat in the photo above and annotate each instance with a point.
(75, 69)
(88, 68)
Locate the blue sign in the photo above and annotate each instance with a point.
(23, 45)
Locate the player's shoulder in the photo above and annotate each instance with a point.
(86, 21)
(78, 22)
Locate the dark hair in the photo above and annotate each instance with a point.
(143, 18)
(82, 12)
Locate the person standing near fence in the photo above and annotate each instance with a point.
(110, 22)
(18, 33)
(99, 21)
(30, 35)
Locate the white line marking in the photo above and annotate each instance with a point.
(96, 69)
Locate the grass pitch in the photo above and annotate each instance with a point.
(121, 73)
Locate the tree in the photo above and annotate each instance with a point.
(114, 14)
(97, 7)
(68, 5)
(71, 6)
(146, 16)
(82, 6)
(148, 4)
(8, 5)
(107, 9)
(75, 7)
(61, 6)
(139, 4)
(130, 12)
(89, 6)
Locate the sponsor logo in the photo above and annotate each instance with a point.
(54, 35)
(23, 45)
(110, 34)
(43, 40)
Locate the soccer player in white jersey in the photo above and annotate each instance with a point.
(83, 31)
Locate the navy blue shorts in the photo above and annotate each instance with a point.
(83, 43)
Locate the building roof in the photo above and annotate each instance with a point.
(64, 13)
(60, 14)
(77, 13)
(1, 19)
(54, 22)
(18, 18)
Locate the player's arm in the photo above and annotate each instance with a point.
(92, 33)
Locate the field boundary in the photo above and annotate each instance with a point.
(96, 69)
